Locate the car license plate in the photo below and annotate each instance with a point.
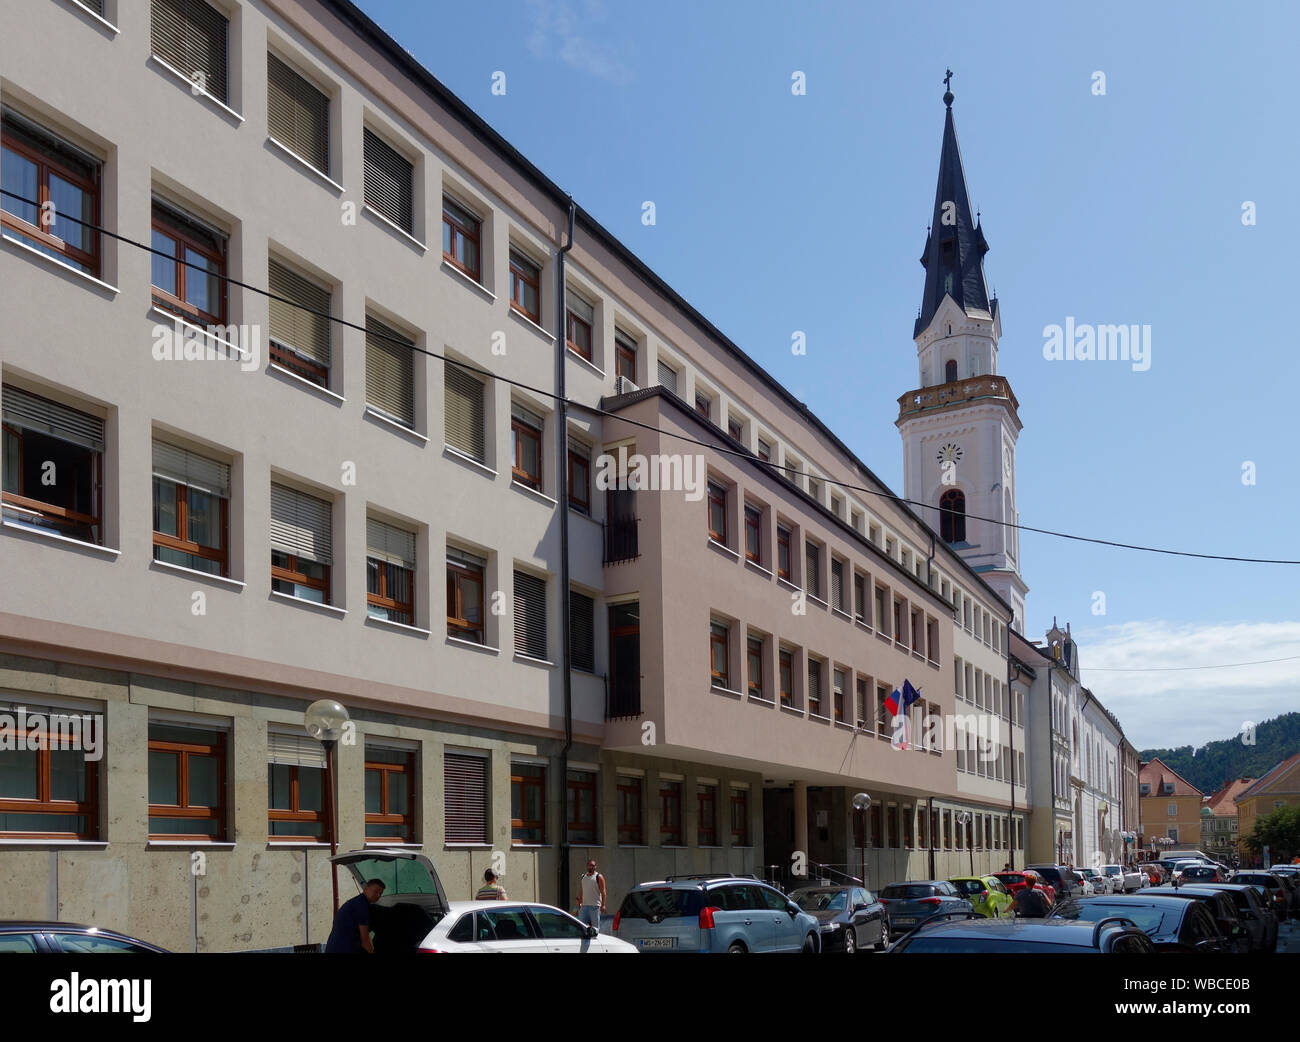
(905, 920)
(658, 942)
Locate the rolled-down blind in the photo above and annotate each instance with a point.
(387, 180)
(464, 558)
(390, 543)
(530, 615)
(294, 750)
(300, 525)
(190, 36)
(837, 585)
(191, 469)
(582, 631)
(390, 371)
(464, 411)
(34, 413)
(668, 377)
(465, 788)
(297, 327)
(298, 115)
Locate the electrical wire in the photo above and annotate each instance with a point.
(1173, 669)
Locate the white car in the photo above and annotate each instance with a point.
(1101, 884)
(1125, 880)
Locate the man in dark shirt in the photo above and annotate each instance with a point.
(351, 931)
(1031, 902)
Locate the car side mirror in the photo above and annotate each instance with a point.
(792, 909)
(859, 907)
(592, 931)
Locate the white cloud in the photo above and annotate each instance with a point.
(558, 32)
(1191, 706)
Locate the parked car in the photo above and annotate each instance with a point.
(849, 917)
(413, 902)
(1254, 912)
(1015, 881)
(1101, 883)
(1274, 890)
(1064, 880)
(715, 914)
(1124, 879)
(1201, 874)
(1291, 880)
(986, 895)
(516, 928)
(910, 903)
(978, 935)
(50, 938)
(1172, 923)
(1219, 905)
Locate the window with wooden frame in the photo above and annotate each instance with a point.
(783, 536)
(530, 616)
(719, 660)
(465, 413)
(582, 631)
(297, 114)
(461, 232)
(932, 639)
(390, 372)
(884, 729)
(812, 574)
(465, 797)
(786, 666)
(526, 446)
(525, 280)
(296, 789)
(51, 791)
(764, 451)
(579, 478)
(624, 356)
(736, 427)
(706, 802)
(390, 572)
(52, 201)
(754, 533)
(191, 509)
(754, 664)
(814, 687)
(465, 596)
(53, 466)
(838, 681)
(300, 325)
(739, 817)
(582, 805)
(301, 544)
(187, 783)
(718, 512)
(624, 661)
(882, 619)
(917, 621)
(527, 802)
(900, 629)
(388, 180)
(860, 607)
(192, 36)
(579, 319)
(863, 688)
(631, 823)
(188, 266)
(390, 795)
(704, 405)
(670, 813)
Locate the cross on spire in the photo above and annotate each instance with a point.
(947, 84)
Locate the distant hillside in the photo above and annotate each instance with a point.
(1211, 765)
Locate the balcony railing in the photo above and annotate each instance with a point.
(621, 540)
(623, 695)
(957, 391)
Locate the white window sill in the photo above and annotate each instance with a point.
(383, 417)
(848, 727)
(528, 660)
(520, 486)
(289, 843)
(190, 85)
(761, 701)
(184, 324)
(723, 548)
(180, 569)
(885, 637)
(401, 627)
(863, 626)
(573, 356)
(812, 599)
(391, 226)
(469, 280)
(78, 844)
(793, 710)
(461, 642)
(530, 846)
(819, 718)
(54, 262)
(324, 392)
(83, 9)
(467, 846)
(385, 845)
(787, 584)
(532, 325)
(751, 563)
(329, 609)
(18, 526)
(189, 844)
(842, 614)
(461, 457)
(718, 689)
(319, 174)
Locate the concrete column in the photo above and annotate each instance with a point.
(801, 816)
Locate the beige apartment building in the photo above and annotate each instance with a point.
(219, 506)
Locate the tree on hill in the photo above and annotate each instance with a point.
(1215, 763)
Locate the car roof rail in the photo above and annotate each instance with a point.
(686, 877)
(1100, 923)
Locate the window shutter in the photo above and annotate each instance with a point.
(389, 543)
(581, 308)
(190, 36)
(837, 585)
(465, 793)
(529, 417)
(390, 371)
(300, 330)
(668, 377)
(34, 413)
(464, 408)
(530, 615)
(582, 631)
(190, 469)
(464, 558)
(294, 750)
(298, 115)
(300, 525)
(388, 180)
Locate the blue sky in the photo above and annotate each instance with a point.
(778, 213)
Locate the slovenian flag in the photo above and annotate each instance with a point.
(898, 705)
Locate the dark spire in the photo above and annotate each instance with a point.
(955, 245)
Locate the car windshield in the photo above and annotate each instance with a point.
(821, 900)
(907, 891)
(1147, 919)
(661, 903)
(969, 886)
(1254, 879)
(1112, 870)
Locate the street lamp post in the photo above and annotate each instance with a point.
(861, 802)
(963, 819)
(325, 720)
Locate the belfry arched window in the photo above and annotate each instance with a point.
(952, 516)
(950, 371)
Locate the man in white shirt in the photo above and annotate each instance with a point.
(591, 896)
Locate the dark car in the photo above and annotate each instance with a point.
(1253, 913)
(1193, 874)
(1064, 881)
(69, 939)
(1291, 880)
(1173, 924)
(849, 917)
(978, 935)
(1275, 891)
(907, 904)
(1219, 905)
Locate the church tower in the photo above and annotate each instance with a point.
(960, 426)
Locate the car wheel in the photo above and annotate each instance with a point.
(737, 949)
(884, 937)
(850, 942)
(809, 945)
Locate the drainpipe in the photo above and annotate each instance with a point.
(1011, 745)
(562, 471)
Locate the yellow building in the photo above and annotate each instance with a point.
(1171, 807)
(1279, 788)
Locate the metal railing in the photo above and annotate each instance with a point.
(621, 542)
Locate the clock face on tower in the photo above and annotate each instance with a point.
(950, 453)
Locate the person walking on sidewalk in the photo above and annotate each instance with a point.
(491, 890)
(591, 896)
